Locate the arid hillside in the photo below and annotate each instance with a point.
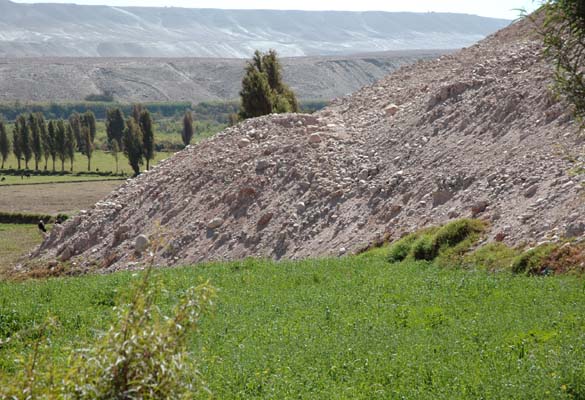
(69, 30)
(475, 133)
(188, 79)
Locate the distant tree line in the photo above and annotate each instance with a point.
(33, 139)
(11, 110)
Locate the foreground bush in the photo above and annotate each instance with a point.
(142, 356)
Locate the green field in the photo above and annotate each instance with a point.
(101, 162)
(350, 328)
(16, 240)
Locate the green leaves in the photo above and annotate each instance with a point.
(263, 91)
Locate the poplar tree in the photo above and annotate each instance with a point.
(36, 139)
(52, 141)
(24, 139)
(146, 125)
(115, 126)
(61, 142)
(88, 150)
(75, 124)
(133, 145)
(187, 133)
(4, 143)
(70, 145)
(115, 152)
(45, 139)
(17, 144)
(89, 121)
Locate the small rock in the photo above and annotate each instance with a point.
(215, 223)
(531, 191)
(301, 207)
(575, 229)
(243, 142)
(315, 138)
(441, 197)
(391, 110)
(479, 208)
(141, 243)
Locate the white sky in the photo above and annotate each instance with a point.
(490, 8)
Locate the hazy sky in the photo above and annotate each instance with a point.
(490, 8)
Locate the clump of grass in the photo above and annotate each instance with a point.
(491, 257)
(398, 251)
(531, 261)
(445, 243)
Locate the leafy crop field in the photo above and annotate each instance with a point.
(349, 328)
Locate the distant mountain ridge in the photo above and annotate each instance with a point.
(69, 30)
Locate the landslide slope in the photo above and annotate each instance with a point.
(476, 132)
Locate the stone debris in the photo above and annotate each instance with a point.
(474, 133)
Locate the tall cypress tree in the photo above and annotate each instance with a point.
(147, 128)
(187, 133)
(45, 139)
(88, 145)
(17, 143)
(89, 121)
(133, 145)
(24, 139)
(52, 141)
(61, 142)
(115, 126)
(70, 145)
(36, 139)
(75, 124)
(4, 143)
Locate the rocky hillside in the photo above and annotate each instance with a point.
(188, 79)
(475, 133)
(68, 30)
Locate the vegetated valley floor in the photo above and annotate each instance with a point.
(354, 328)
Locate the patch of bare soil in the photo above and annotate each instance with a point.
(476, 133)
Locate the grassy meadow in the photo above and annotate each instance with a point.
(16, 240)
(350, 328)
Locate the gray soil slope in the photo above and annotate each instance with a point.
(33, 30)
(187, 79)
(474, 133)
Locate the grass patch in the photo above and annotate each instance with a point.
(344, 328)
(446, 244)
(15, 241)
(100, 162)
(493, 257)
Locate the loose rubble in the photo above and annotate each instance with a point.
(476, 133)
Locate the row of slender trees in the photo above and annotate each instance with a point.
(134, 136)
(33, 139)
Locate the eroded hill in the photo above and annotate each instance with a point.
(476, 133)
